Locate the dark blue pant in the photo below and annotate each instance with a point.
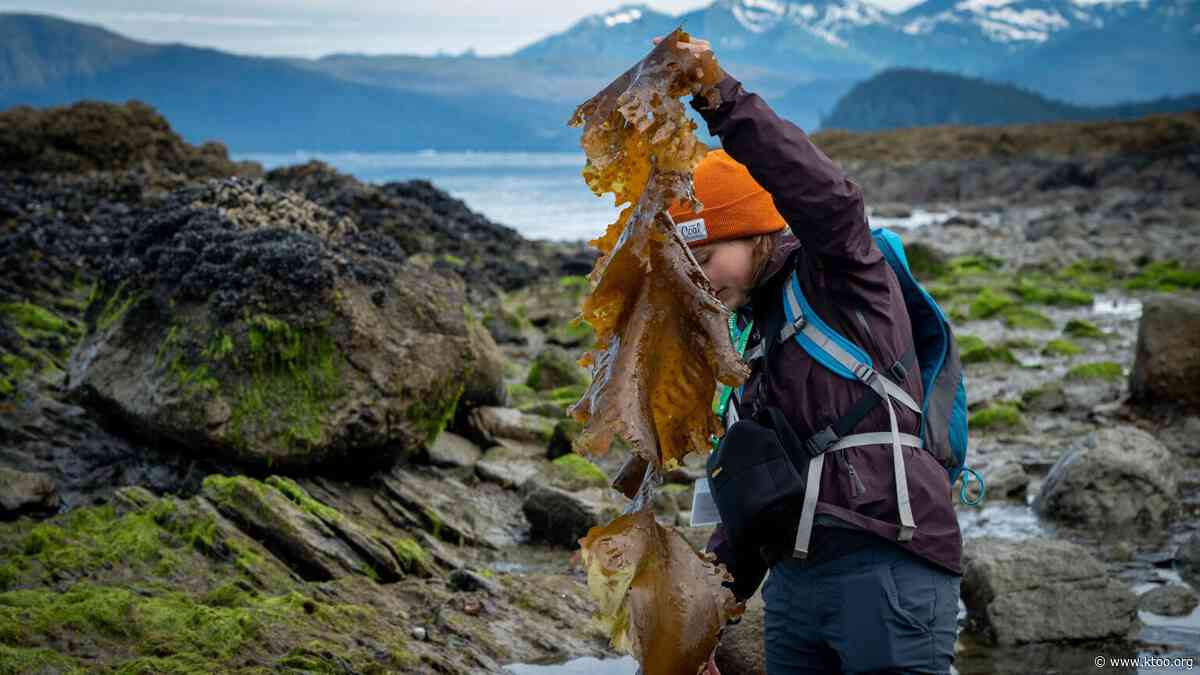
(879, 609)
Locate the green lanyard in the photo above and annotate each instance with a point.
(721, 400)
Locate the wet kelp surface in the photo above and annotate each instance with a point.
(662, 346)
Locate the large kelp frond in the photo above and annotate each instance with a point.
(659, 599)
(638, 122)
(661, 333)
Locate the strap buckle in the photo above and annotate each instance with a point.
(790, 329)
(864, 372)
(821, 441)
(898, 371)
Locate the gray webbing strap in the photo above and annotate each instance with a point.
(875, 438)
(811, 486)
(900, 395)
(907, 526)
(755, 352)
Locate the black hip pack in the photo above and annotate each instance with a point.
(757, 477)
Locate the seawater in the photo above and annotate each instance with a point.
(541, 195)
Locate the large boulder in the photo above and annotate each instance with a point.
(1166, 368)
(553, 367)
(1042, 590)
(510, 463)
(1115, 478)
(1169, 600)
(25, 492)
(492, 423)
(741, 649)
(245, 322)
(451, 450)
(562, 518)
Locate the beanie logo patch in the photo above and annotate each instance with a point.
(693, 230)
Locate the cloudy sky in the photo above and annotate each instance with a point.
(317, 27)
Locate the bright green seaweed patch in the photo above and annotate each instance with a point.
(31, 320)
(574, 472)
(997, 416)
(431, 415)
(163, 631)
(1043, 290)
(301, 498)
(1026, 318)
(293, 373)
(1101, 370)
(24, 660)
(1096, 274)
(1165, 276)
(1061, 347)
(576, 285)
(973, 349)
(117, 305)
(990, 302)
(1081, 328)
(520, 394)
(413, 558)
(91, 538)
(15, 370)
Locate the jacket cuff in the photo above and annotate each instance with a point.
(729, 88)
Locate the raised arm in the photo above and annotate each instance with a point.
(823, 207)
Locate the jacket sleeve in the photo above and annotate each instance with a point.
(822, 206)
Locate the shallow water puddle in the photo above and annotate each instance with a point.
(1005, 520)
(581, 666)
(1123, 308)
(917, 218)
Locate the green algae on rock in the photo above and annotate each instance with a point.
(574, 472)
(1101, 370)
(974, 350)
(1061, 347)
(1082, 328)
(997, 416)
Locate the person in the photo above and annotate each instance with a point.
(866, 598)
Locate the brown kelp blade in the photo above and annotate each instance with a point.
(638, 121)
(662, 345)
(662, 341)
(660, 600)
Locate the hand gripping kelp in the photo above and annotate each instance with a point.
(662, 346)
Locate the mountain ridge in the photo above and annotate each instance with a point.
(802, 56)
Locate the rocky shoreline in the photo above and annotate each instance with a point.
(293, 422)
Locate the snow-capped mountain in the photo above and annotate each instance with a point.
(1095, 51)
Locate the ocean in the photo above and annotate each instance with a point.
(541, 195)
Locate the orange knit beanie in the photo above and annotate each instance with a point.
(735, 205)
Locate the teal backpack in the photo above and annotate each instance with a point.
(943, 412)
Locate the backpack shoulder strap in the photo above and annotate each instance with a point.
(849, 361)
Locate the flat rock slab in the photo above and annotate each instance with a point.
(481, 515)
(450, 449)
